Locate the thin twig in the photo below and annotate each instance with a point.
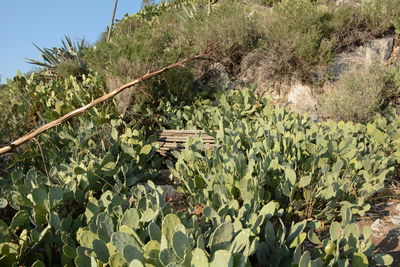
(105, 97)
(43, 158)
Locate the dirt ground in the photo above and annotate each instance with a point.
(384, 220)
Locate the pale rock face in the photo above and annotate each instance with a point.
(300, 97)
(375, 51)
(379, 49)
(395, 220)
(376, 225)
(290, 91)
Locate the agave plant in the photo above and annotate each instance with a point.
(69, 54)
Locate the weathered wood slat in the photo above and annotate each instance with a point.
(183, 139)
(166, 149)
(170, 140)
(165, 132)
(180, 145)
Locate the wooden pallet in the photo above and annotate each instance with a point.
(170, 140)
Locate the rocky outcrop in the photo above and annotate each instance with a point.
(378, 50)
(301, 98)
(215, 75)
(291, 91)
(218, 76)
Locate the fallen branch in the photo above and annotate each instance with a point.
(105, 97)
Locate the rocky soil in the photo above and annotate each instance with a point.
(301, 97)
(384, 220)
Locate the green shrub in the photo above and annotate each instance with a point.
(69, 68)
(348, 26)
(229, 29)
(64, 61)
(360, 93)
(354, 23)
(297, 39)
(269, 2)
(396, 24)
(138, 47)
(29, 101)
(380, 14)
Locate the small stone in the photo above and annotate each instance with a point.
(397, 207)
(376, 225)
(300, 97)
(218, 76)
(378, 50)
(390, 204)
(395, 220)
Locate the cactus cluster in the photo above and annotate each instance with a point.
(279, 190)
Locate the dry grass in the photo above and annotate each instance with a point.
(283, 40)
(296, 40)
(359, 94)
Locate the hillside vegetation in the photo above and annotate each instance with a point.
(280, 188)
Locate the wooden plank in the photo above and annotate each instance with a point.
(171, 140)
(183, 145)
(180, 131)
(182, 139)
(186, 135)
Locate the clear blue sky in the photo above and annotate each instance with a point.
(45, 22)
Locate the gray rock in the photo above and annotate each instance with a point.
(395, 220)
(376, 225)
(378, 50)
(291, 91)
(252, 71)
(218, 76)
(301, 98)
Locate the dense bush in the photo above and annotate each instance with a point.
(380, 15)
(31, 101)
(138, 46)
(292, 38)
(300, 36)
(296, 39)
(348, 26)
(360, 93)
